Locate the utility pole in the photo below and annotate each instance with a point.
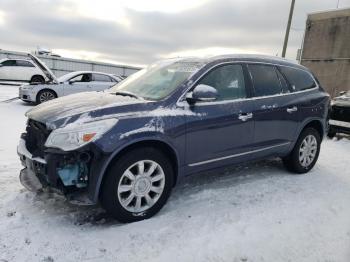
(288, 29)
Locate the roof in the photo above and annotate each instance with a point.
(248, 58)
(334, 13)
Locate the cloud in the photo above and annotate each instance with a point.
(139, 36)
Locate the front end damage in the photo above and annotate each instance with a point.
(64, 172)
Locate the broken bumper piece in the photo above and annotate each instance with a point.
(63, 173)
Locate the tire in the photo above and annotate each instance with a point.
(121, 192)
(45, 95)
(331, 134)
(37, 79)
(295, 162)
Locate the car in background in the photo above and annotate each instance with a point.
(71, 83)
(339, 121)
(127, 146)
(20, 70)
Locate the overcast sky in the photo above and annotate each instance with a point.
(141, 31)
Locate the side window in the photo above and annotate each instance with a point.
(24, 63)
(101, 78)
(81, 78)
(298, 79)
(228, 81)
(283, 82)
(265, 80)
(9, 63)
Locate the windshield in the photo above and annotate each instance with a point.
(158, 80)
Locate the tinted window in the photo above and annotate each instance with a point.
(283, 82)
(298, 79)
(266, 81)
(101, 78)
(24, 63)
(228, 81)
(9, 63)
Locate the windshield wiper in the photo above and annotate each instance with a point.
(125, 93)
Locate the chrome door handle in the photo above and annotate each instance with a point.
(245, 117)
(292, 109)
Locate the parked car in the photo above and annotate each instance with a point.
(339, 121)
(71, 83)
(128, 146)
(20, 70)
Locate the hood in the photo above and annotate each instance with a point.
(86, 106)
(48, 73)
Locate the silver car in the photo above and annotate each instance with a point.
(75, 82)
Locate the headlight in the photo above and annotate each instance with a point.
(76, 135)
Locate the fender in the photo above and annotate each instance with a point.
(95, 189)
(304, 124)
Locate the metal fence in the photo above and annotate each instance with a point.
(61, 66)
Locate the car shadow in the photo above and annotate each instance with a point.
(57, 205)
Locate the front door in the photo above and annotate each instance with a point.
(219, 131)
(77, 84)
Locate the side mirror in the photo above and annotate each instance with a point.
(71, 82)
(342, 93)
(202, 93)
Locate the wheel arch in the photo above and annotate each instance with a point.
(37, 75)
(316, 124)
(150, 142)
(45, 89)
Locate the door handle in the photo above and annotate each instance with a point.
(244, 117)
(292, 109)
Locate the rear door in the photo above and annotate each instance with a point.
(219, 132)
(100, 82)
(8, 70)
(26, 69)
(276, 112)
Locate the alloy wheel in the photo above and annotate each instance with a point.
(141, 185)
(308, 150)
(46, 96)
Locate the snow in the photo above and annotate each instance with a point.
(8, 92)
(253, 212)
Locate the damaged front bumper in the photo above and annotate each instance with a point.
(65, 172)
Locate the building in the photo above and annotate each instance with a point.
(61, 66)
(326, 49)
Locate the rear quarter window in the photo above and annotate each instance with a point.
(298, 79)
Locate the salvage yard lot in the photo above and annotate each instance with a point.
(254, 212)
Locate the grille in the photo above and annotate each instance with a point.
(340, 113)
(35, 138)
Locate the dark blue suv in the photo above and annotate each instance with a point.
(126, 147)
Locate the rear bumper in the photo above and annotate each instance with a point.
(337, 126)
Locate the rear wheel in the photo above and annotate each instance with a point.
(37, 79)
(305, 152)
(45, 95)
(138, 185)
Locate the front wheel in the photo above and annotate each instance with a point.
(138, 185)
(305, 152)
(44, 96)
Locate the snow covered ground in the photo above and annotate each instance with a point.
(255, 212)
(8, 92)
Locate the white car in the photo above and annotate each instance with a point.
(75, 82)
(20, 70)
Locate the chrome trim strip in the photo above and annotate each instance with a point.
(182, 97)
(339, 123)
(236, 155)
